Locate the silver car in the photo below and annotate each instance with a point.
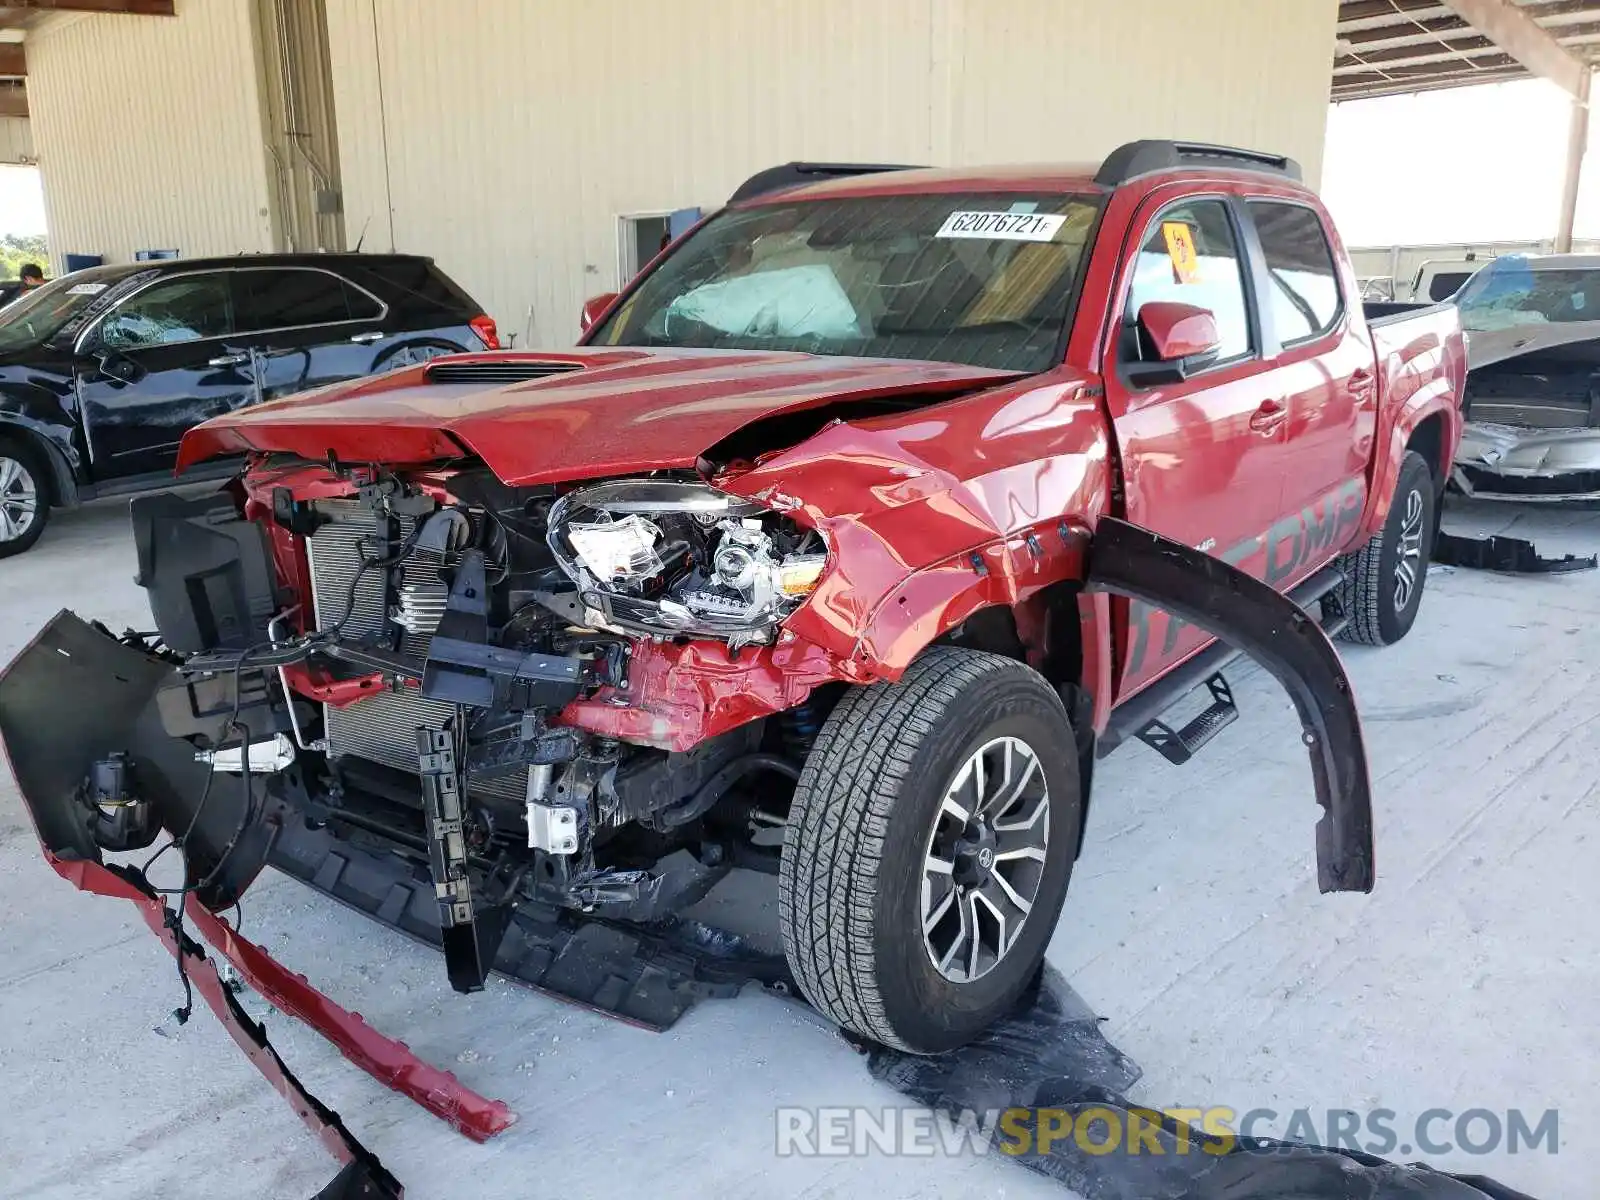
(1533, 387)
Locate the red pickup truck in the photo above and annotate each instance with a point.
(854, 530)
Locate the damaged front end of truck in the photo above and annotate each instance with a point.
(472, 692)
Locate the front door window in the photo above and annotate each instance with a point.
(184, 309)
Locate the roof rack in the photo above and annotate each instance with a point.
(798, 174)
(1140, 158)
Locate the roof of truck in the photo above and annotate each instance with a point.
(1133, 160)
(1037, 177)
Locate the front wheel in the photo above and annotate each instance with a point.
(24, 500)
(1383, 581)
(929, 848)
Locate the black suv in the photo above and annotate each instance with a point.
(103, 370)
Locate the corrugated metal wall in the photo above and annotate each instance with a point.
(516, 132)
(1077, 78)
(507, 139)
(16, 140)
(149, 132)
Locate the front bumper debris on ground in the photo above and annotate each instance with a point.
(70, 690)
(1514, 556)
(362, 1175)
(1050, 1056)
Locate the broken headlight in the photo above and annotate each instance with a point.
(669, 558)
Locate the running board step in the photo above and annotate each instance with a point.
(1178, 746)
(1140, 715)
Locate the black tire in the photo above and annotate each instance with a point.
(872, 794)
(1371, 595)
(23, 472)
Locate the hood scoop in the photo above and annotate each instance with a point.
(480, 371)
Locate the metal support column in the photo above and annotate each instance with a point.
(1577, 140)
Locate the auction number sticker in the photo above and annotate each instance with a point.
(1002, 226)
(1180, 249)
(87, 289)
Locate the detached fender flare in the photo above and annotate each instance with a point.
(1276, 632)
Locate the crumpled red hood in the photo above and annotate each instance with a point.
(625, 410)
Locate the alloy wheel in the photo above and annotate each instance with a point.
(19, 500)
(985, 859)
(1408, 557)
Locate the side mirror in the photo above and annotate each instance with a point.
(1182, 338)
(118, 366)
(593, 308)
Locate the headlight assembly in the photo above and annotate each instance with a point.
(668, 558)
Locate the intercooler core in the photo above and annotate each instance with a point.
(382, 728)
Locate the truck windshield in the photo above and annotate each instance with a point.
(1509, 294)
(985, 279)
(37, 316)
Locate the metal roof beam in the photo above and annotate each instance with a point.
(1520, 36)
(142, 8)
(1560, 26)
(1363, 10)
(1443, 50)
(1426, 64)
(1355, 15)
(1456, 70)
(1367, 87)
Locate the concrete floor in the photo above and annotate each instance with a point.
(1468, 979)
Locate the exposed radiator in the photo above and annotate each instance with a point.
(382, 728)
(335, 553)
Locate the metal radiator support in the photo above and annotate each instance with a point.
(380, 727)
(470, 939)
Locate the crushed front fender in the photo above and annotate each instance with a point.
(1276, 632)
(75, 695)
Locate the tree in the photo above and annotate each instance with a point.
(19, 248)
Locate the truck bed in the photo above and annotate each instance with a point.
(1388, 312)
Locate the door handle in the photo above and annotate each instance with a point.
(1269, 416)
(366, 339)
(228, 360)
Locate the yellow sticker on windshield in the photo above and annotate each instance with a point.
(1180, 249)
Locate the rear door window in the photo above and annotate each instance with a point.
(1304, 296)
(1214, 280)
(292, 298)
(361, 304)
(417, 291)
(1446, 284)
(186, 308)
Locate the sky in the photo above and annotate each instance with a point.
(1467, 164)
(21, 200)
